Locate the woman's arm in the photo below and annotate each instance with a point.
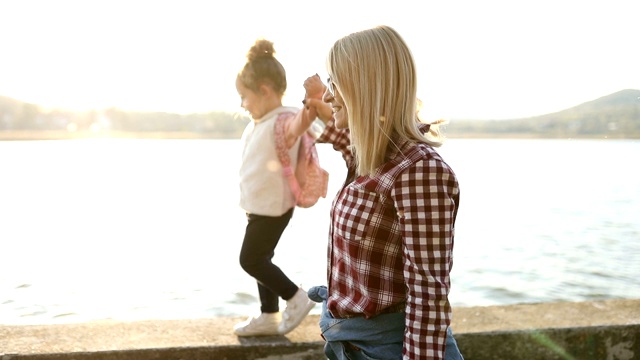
(426, 198)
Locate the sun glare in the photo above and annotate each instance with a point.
(473, 62)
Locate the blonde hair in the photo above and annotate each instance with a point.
(263, 68)
(375, 73)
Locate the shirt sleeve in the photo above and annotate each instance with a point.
(340, 139)
(426, 198)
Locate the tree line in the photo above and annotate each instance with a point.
(20, 116)
(613, 116)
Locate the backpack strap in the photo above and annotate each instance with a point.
(283, 154)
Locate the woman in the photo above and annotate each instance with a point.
(392, 224)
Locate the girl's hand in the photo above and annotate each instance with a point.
(314, 87)
(313, 98)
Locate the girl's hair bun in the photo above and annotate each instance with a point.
(261, 49)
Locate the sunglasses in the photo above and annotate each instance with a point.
(332, 87)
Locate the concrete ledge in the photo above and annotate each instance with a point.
(298, 351)
(619, 342)
(607, 330)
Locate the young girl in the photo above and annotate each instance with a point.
(264, 192)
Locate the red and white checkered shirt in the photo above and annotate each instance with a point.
(391, 242)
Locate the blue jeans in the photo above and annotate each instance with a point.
(380, 337)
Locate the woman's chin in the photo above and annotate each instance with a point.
(340, 121)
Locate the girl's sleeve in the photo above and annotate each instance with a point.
(297, 124)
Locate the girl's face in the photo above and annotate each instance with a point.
(254, 103)
(334, 98)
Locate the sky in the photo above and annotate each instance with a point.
(493, 59)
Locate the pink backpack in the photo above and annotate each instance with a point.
(309, 181)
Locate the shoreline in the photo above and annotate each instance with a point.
(25, 135)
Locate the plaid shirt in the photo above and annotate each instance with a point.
(391, 242)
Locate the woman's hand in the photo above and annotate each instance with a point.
(323, 109)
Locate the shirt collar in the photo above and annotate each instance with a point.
(397, 145)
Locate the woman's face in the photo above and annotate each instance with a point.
(333, 97)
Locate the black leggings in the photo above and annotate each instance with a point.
(260, 240)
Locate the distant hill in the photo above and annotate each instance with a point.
(615, 116)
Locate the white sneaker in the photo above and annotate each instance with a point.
(263, 325)
(297, 308)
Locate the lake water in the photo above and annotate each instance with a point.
(128, 229)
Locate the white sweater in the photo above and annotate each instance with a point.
(263, 188)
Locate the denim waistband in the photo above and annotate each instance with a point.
(319, 294)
